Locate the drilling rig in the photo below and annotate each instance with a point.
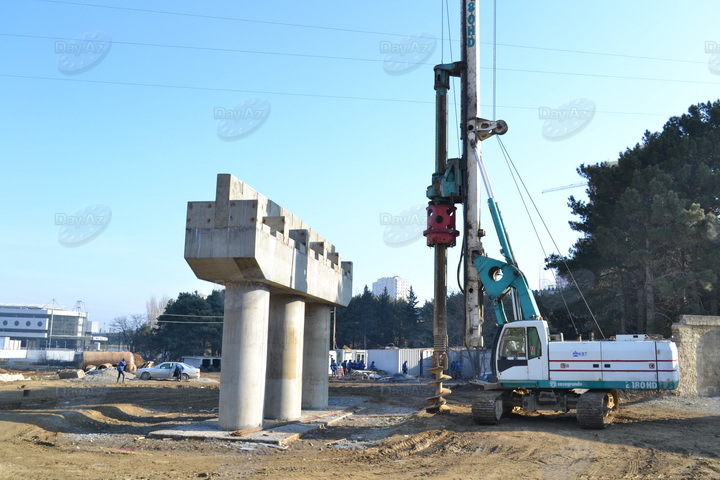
(530, 372)
(456, 181)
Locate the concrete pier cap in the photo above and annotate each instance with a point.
(264, 256)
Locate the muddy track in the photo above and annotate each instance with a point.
(65, 430)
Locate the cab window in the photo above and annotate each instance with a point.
(534, 345)
(512, 343)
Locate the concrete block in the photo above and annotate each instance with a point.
(63, 374)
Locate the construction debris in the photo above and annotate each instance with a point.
(71, 373)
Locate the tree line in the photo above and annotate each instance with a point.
(650, 249)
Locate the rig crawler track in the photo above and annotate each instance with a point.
(488, 408)
(597, 409)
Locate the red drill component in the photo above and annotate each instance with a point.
(441, 225)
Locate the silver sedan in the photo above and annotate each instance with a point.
(166, 370)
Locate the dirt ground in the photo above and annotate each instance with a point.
(94, 429)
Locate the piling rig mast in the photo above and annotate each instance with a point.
(456, 181)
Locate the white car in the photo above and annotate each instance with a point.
(165, 371)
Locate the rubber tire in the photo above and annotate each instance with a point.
(185, 377)
(145, 376)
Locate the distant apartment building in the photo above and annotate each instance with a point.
(39, 327)
(397, 288)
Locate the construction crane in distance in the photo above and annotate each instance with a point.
(565, 187)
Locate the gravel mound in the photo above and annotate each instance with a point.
(108, 375)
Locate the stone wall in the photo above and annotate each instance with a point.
(698, 341)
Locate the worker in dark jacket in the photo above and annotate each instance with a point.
(121, 370)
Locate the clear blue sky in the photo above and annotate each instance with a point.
(123, 128)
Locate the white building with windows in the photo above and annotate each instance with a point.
(37, 327)
(397, 288)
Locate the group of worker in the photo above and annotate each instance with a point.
(347, 367)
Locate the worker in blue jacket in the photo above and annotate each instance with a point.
(121, 371)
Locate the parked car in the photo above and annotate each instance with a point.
(165, 371)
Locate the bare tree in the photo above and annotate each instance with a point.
(155, 308)
(128, 328)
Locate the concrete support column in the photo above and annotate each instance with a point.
(316, 356)
(244, 354)
(283, 389)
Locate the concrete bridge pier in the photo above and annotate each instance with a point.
(283, 389)
(316, 356)
(244, 347)
(281, 278)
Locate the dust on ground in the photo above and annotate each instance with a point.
(93, 428)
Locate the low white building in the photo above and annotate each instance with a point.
(10, 349)
(204, 362)
(419, 360)
(390, 360)
(39, 327)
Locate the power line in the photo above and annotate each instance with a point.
(209, 49)
(219, 17)
(368, 32)
(293, 94)
(615, 77)
(190, 323)
(209, 89)
(493, 68)
(604, 54)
